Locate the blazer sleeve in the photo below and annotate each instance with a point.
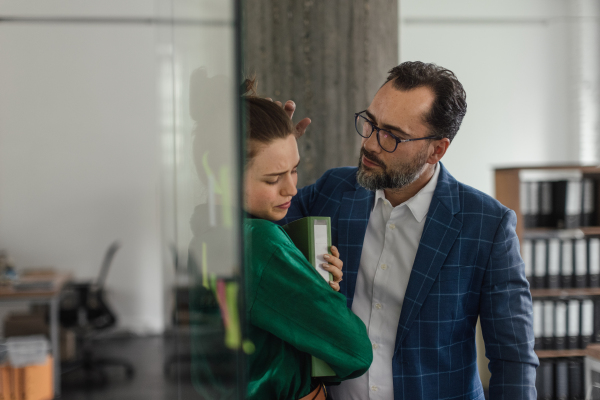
(294, 303)
(506, 316)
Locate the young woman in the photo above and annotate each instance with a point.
(292, 311)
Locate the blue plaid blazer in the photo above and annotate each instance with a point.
(467, 265)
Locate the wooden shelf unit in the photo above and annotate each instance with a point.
(562, 293)
(555, 232)
(508, 193)
(561, 353)
(593, 350)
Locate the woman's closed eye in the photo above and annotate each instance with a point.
(293, 172)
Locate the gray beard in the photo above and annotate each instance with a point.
(386, 179)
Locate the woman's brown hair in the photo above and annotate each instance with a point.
(265, 120)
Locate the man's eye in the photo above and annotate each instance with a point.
(294, 171)
(271, 183)
(393, 135)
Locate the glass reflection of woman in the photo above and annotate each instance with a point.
(293, 313)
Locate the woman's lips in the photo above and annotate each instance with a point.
(368, 162)
(285, 206)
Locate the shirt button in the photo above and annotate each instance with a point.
(392, 226)
(375, 346)
(378, 306)
(383, 267)
(374, 388)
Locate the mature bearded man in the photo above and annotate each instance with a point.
(424, 254)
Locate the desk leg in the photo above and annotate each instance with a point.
(55, 339)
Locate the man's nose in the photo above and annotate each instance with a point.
(370, 144)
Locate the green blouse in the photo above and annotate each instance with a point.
(293, 313)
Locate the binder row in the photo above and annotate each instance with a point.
(560, 379)
(562, 263)
(565, 324)
(560, 204)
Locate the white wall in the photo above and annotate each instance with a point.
(79, 149)
(512, 57)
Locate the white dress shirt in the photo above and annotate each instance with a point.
(389, 249)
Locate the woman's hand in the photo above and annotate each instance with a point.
(334, 267)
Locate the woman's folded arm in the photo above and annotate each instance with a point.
(294, 303)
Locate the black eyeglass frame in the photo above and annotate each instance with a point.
(378, 129)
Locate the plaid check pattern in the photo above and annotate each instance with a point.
(468, 265)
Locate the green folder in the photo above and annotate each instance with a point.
(312, 236)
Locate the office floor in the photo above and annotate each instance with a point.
(147, 354)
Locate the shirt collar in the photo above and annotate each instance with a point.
(420, 202)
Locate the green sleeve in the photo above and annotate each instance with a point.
(293, 302)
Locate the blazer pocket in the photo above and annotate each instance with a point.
(455, 273)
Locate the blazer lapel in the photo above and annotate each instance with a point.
(352, 224)
(440, 232)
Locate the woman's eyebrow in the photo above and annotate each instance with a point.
(387, 127)
(281, 173)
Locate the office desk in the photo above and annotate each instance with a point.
(43, 296)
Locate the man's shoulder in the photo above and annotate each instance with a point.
(339, 180)
(473, 200)
(463, 198)
(344, 174)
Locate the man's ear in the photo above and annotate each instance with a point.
(439, 149)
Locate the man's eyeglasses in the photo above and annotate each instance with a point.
(387, 141)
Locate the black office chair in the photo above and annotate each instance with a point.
(84, 309)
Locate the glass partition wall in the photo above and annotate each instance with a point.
(102, 104)
(200, 142)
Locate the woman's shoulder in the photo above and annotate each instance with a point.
(266, 232)
(267, 244)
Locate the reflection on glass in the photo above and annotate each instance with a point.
(213, 262)
(201, 187)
